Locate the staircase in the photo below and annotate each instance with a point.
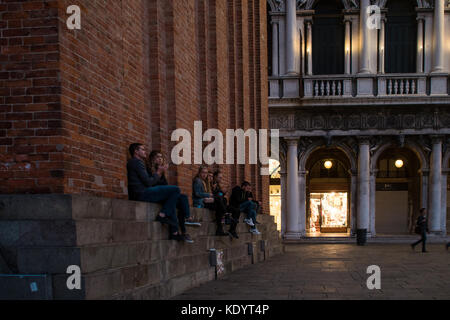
(122, 252)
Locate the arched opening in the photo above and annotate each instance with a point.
(328, 193)
(328, 37)
(397, 201)
(401, 37)
(275, 191)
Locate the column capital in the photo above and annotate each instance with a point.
(303, 173)
(363, 140)
(291, 141)
(352, 172)
(423, 172)
(435, 139)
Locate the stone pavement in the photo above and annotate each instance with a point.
(336, 271)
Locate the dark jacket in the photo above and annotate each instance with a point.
(239, 196)
(422, 223)
(138, 179)
(161, 181)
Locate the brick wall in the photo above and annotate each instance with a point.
(73, 100)
(30, 109)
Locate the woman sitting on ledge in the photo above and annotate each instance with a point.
(202, 197)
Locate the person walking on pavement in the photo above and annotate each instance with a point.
(422, 229)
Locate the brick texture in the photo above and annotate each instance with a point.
(71, 101)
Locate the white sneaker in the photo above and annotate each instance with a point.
(249, 222)
(255, 231)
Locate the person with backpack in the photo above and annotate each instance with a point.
(422, 229)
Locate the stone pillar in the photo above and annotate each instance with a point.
(363, 218)
(424, 188)
(292, 226)
(444, 202)
(347, 46)
(309, 47)
(438, 36)
(419, 45)
(283, 187)
(275, 66)
(364, 42)
(373, 189)
(438, 79)
(354, 200)
(302, 200)
(434, 213)
(381, 45)
(291, 35)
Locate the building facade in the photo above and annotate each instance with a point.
(360, 93)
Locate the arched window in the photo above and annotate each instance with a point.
(401, 37)
(328, 37)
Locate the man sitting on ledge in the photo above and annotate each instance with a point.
(142, 187)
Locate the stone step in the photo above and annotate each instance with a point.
(121, 250)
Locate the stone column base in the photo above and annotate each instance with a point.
(292, 236)
(438, 85)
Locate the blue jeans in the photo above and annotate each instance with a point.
(168, 196)
(249, 207)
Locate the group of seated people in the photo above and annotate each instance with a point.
(147, 182)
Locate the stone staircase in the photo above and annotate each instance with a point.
(121, 251)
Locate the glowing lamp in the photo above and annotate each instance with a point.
(328, 164)
(399, 163)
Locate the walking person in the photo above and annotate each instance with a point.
(422, 229)
(142, 187)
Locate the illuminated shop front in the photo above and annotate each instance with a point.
(275, 192)
(328, 212)
(328, 193)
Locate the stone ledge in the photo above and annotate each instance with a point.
(122, 252)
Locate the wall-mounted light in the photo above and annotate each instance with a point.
(399, 163)
(328, 164)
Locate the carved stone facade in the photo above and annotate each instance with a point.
(365, 116)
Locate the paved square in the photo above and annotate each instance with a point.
(336, 271)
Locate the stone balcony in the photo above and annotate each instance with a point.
(339, 89)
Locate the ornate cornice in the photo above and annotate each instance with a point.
(430, 118)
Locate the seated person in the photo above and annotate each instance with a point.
(204, 199)
(142, 187)
(232, 215)
(156, 161)
(242, 199)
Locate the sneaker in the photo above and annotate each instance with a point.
(187, 238)
(234, 234)
(254, 231)
(249, 222)
(193, 223)
(177, 237)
